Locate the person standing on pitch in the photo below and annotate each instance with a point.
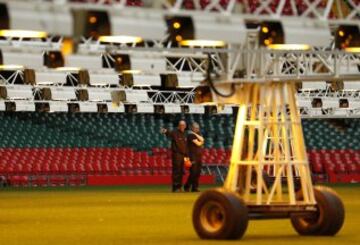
(195, 143)
(179, 153)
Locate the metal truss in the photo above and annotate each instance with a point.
(172, 97)
(12, 78)
(268, 137)
(219, 170)
(247, 63)
(264, 65)
(317, 9)
(329, 93)
(351, 96)
(46, 44)
(178, 60)
(321, 113)
(243, 65)
(157, 97)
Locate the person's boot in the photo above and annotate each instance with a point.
(195, 187)
(186, 188)
(176, 188)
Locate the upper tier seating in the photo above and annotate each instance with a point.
(332, 134)
(140, 131)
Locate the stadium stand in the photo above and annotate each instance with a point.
(81, 148)
(78, 145)
(333, 149)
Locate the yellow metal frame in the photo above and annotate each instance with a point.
(269, 137)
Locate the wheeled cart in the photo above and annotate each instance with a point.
(268, 137)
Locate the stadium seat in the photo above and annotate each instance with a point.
(39, 181)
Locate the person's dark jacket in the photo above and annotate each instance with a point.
(195, 151)
(178, 142)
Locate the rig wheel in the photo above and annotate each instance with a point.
(221, 215)
(328, 219)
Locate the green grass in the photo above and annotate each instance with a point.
(137, 215)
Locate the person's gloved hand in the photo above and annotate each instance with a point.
(187, 163)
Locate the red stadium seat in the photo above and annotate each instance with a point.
(57, 180)
(39, 181)
(19, 180)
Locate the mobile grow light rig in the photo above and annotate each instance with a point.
(268, 136)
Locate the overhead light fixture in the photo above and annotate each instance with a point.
(353, 49)
(131, 71)
(212, 103)
(347, 36)
(11, 67)
(53, 59)
(119, 62)
(68, 68)
(23, 34)
(203, 95)
(203, 43)
(294, 32)
(120, 39)
(186, 86)
(94, 23)
(141, 85)
(271, 32)
(289, 47)
(179, 28)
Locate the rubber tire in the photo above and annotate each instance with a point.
(235, 215)
(329, 218)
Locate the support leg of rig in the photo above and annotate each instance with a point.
(269, 140)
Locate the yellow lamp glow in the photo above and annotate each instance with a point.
(68, 68)
(23, 34)
(120, 39)
(67, 46)
(176, 25)
(289, 46)
(92, 19)
(353, 49)
(131, 71)
(202, 43)
(178, 38)
(265, 29)
(11, 67)
(267, 42)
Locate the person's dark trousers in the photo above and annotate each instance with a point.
(177, 171)
(193, 179)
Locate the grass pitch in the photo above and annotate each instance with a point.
(137, 215)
